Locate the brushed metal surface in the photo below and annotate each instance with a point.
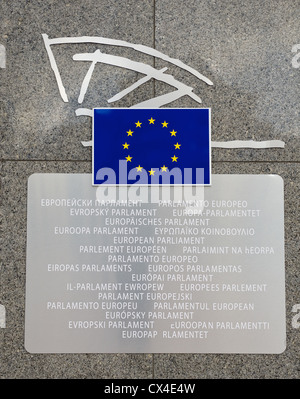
(163, 281)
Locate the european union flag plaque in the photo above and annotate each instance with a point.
(119, 269)
(151, 146)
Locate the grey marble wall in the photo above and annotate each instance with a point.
(244, 47)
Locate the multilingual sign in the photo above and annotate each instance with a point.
(134, 270)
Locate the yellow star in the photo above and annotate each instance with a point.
(126, 146)
(165, 124)
(174, 159)
(129, 133)
(177, 146)
(139, 168)
(163, 168)
(138, 124)
(151, 121)
(173, 133)
(151, 172)
(128, 158)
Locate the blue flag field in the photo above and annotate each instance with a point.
(151, 146)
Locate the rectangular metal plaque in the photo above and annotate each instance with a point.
(109, 271)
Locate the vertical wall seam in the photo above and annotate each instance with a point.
(154, 9)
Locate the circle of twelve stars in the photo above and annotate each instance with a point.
(164, 124)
